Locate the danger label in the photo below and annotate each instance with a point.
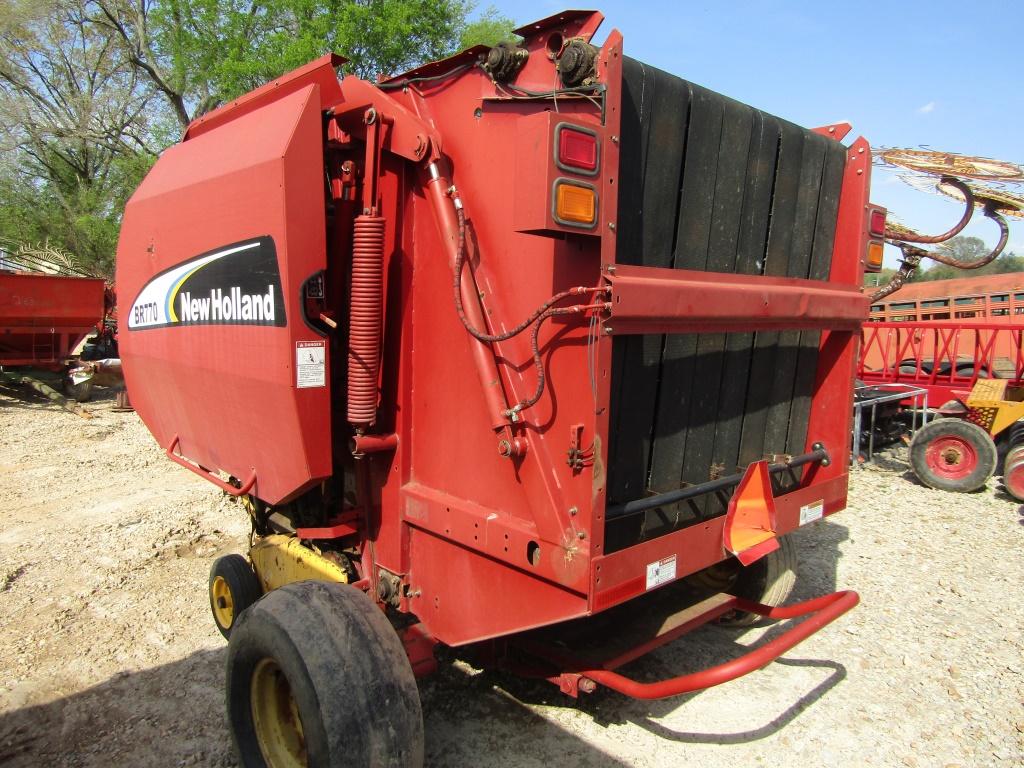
(310, 364)
(661, 572)
(811, 512)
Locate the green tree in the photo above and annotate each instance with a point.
(875, 279)
(199, 53)
(92, 90)
(490, 29)
(966, 249)
(76, 133)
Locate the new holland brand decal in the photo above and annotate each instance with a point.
(234, 285)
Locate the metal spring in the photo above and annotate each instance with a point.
(365, 319)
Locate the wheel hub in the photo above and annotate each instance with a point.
(223, 604)
(951, 456)
(275, 717)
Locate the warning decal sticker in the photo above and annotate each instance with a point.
(661, 571)
(811, 512)
(310, 364)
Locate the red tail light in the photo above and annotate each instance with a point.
(577, 150)
(877, 222)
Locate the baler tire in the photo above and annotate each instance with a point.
(338, 665)
(233, 581)
(769, 580)
(972, 444)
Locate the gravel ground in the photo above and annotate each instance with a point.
(108, 656)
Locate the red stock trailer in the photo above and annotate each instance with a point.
(511, 344)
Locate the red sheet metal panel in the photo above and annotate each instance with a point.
(44, 317)
(216, 246)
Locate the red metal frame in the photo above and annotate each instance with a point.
(651, 300)
(578, 673)
(966, 349)
(960, 298)
(821, 611)
(233, 490)
(470, 504)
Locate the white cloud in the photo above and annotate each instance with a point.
(924, 110)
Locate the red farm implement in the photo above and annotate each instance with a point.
(973, 372)
(44, 317)
(943, 356)
(489, 360)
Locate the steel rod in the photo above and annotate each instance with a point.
(671, 497)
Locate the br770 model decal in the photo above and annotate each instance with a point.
(237, 284)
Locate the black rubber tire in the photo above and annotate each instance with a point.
(967, 371)
(769, 580)
(347, 671)
(242, 584)
(80, 393)
(975, 436)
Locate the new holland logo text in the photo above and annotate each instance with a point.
(236, 284)
(230, 305)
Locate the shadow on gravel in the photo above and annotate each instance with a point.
(485, 718)
(169, 715)
(779, 722)
(26, 398)
(819, 551)
(173, 715)
(888, 462)
(12, 397)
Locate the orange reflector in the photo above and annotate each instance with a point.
(749, 531)
(575, 204)
(875, 249)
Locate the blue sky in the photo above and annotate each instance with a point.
(905, 74)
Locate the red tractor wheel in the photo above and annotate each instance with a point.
(1013, 473)
(953, 455)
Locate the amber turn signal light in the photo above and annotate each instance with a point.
(874, 262)
(575, 204)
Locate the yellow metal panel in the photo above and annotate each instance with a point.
(280, 560)
(987, 390)
(990, 408)
(1007, 414)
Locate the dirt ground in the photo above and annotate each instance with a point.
(108, 655)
